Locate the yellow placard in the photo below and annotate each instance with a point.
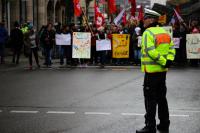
(120, 45)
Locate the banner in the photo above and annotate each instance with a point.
(63, 39)
(193, 46)
(81, 45)
(120, 45)
(99, 18)
(119, 17)
(176, 42)
(77, 8)
(169, 30)
(102, 45)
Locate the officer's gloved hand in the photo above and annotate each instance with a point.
(168, 64)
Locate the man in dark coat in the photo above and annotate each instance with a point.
(17, 42)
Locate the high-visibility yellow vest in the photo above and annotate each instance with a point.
(24, 30)
(157, 48)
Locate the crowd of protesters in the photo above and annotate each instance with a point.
(25, 37)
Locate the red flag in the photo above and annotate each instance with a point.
(178, 9)
(102, 1)
(133, 7)
(112, 6)
(124, 19)
(141, 14)
(77, 8)
(99, 18)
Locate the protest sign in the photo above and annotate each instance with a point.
(176, 42)
(193, 46)
(63, 39)
(81, 45)
(102, 45)
(139, 41)
(120, 46)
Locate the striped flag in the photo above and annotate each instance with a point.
(180, 19)
(119, 17)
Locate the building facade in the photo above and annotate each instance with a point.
(38, 12)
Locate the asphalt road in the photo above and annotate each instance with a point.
(91, 100)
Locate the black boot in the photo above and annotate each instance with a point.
(163, 126)
(146, 130)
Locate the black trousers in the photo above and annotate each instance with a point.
(16, 52)
(35, 52)
(155, 95)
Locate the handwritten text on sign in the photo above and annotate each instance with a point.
(121, 45)
(193, 46)
(102, 45)
(81, 45)
(63, 39)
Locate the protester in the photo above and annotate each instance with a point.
(102, 54)
(93, 59)
(48, 39)
(33, 46)
(16, 36)
(66, 50)
(137, 45)
(40, 39)
(3, 40)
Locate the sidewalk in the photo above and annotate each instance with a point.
(23, 63)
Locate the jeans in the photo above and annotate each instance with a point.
(48, 52)
(61, 53)
(137, 56)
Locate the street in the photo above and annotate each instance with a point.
(91, 100)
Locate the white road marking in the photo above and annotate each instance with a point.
(28, 112)
(132, 114)
(188, 111)
(60, 112)
(1, 111)
(97, 113)
(175, 115)
(138, 114)
(119, 69)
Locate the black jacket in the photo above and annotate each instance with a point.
(48, 38)
(16, 37)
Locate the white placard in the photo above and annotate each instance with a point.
(193, 46)
(63, 39)
(81, 45)
(176, 42)
(139, 41)
(102, 45)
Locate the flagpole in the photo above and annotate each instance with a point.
(86, 19)
(94, 10)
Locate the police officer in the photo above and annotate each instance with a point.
(157, 55)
